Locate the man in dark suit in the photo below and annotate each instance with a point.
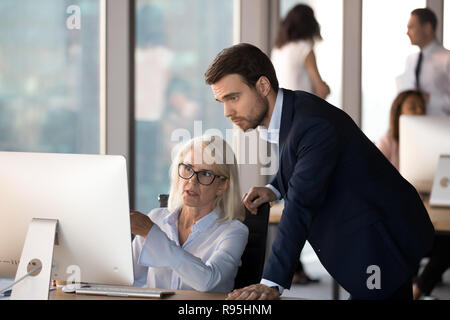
(367, 224)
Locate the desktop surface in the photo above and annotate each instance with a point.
(58, 294)
(440, 217)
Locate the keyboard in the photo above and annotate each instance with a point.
(122, 291)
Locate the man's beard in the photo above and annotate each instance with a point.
(262, 115)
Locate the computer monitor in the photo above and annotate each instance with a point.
(422, 140)
(440, 193)
(87, 194)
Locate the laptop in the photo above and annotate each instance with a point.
(440, 192)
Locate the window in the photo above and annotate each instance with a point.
(385, 47)
(175, 42)
(329, 14)
(49, 76)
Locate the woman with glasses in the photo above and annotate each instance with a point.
(196, 242)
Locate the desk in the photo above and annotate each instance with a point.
(440, 217)
(58, 294)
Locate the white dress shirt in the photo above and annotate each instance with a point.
(434, 77)
(271, 135)
(207, 261)
(289, 64)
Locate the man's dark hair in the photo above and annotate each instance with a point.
(245, 60)
(426, 15)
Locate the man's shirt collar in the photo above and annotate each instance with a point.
(272, 133)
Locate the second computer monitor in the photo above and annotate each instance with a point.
(422, 140)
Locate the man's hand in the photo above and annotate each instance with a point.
(140, 223)
(255, 292)
(256, 196)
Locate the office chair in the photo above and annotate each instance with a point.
(253, 258)
(163, 198)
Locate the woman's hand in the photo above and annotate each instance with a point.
(322, 90)
(140, 223)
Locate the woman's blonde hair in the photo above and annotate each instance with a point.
(215, 151)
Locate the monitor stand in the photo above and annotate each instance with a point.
(38, 249)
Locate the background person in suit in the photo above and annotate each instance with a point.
(367, 224)
(429, 69)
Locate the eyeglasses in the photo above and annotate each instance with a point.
(204, 177)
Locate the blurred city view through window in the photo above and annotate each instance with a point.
(175, 42)
(49, 76)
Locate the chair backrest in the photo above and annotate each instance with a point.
(163, 198)
(254, 255)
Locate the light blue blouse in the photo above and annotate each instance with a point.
(207, 261)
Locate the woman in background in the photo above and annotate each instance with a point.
(293, 56)
(409, 102)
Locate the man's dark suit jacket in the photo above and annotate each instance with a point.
(344, 197)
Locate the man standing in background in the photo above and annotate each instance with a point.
(429, 69)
